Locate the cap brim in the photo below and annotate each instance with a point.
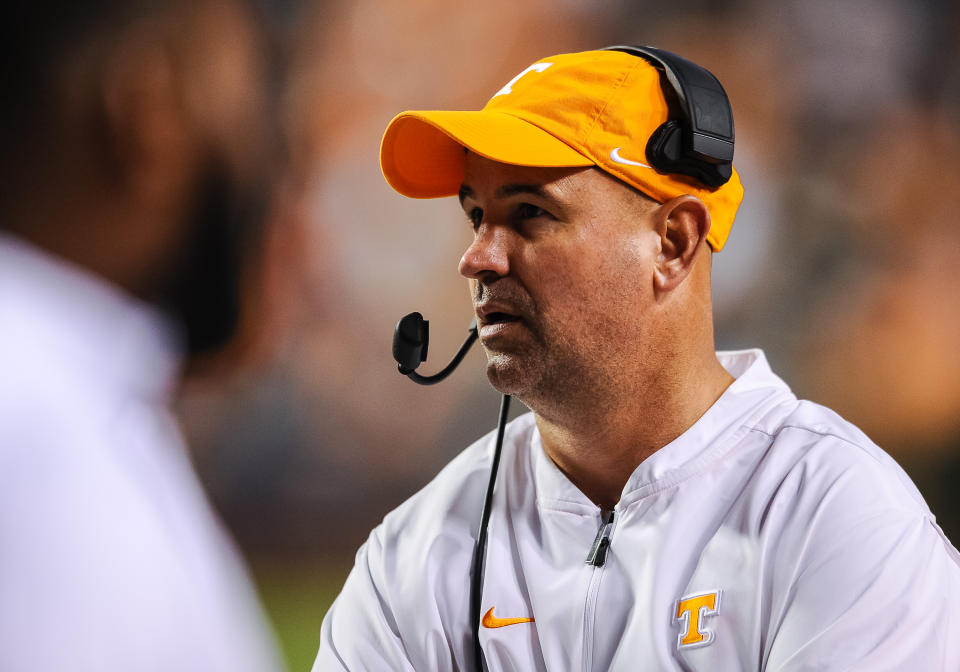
(422, 153)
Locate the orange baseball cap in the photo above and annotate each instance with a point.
(584, 109)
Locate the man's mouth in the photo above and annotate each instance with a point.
(495, 318)
(495, 312)
(498, 317)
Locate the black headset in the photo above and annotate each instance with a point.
(698, 138)
(696, 141)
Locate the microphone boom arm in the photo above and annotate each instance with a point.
(454, 363)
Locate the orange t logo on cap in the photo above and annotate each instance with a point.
(538, 67)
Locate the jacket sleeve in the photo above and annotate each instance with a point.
(879, 595)
(360, 631)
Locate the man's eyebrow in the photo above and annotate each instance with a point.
(508, 190)
(514, 189)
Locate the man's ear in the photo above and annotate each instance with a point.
(682, 224)
(145, 125)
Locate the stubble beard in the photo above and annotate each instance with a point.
(546, 373)
(568, 375)
(548, 369)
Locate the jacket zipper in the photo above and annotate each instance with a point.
(598, 552)
(596, 558)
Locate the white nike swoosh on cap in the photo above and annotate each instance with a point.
(615, 155)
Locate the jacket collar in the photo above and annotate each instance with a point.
(755, 388)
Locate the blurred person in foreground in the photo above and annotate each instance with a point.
(664, 506)
(135, 153)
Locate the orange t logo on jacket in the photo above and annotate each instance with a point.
(691, 613)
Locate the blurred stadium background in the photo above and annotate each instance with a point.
(843, 264)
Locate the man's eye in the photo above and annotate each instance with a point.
(528, 211)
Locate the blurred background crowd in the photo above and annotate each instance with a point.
(842, 265)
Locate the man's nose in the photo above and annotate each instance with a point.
(488, 254)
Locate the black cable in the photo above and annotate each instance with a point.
(479, 551)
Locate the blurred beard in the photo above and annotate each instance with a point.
(223, 240)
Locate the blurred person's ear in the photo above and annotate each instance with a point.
(150, 145)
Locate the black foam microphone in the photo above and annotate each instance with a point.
(410, 341)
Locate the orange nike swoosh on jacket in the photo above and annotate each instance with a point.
(491, 621)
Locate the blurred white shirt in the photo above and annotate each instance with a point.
(111, 557)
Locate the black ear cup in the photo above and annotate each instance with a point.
(666, 151)
(697, 140)
(665, 147)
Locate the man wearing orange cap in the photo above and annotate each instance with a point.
(664, 506)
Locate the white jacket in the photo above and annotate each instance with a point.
(772, 535)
